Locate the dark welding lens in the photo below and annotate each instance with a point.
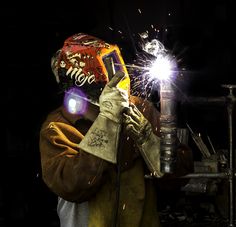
(109, 64)
(112, 63)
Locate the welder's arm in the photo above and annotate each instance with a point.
(69, 172)
(140, 130)
(102, 138)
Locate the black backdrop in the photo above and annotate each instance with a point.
(201, 33)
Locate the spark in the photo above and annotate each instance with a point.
(151, 68)
(162, 68)
(153, 64)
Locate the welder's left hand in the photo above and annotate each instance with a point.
(140, 130)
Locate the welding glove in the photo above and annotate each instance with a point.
(102, 138)
(140, 130)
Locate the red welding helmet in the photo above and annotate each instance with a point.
(82, 63)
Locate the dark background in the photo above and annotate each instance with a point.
(201, 33)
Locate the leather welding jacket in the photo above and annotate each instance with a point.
(81, 178)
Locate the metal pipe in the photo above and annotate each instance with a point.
(168, 128)
(207, 175)
(230, 106)
(223, 175)
(221, 100)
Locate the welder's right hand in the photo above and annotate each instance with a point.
(113, 100)
(140, 130)
(136, 125)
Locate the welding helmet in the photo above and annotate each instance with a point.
(88, 63)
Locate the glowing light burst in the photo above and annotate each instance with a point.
(152, 69)
(154, 64)
(162, 68)
(75, 101)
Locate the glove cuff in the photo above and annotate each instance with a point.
(150, 151)
(102, 139)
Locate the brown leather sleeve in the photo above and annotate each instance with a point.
(70, 173)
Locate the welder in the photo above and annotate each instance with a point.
(97, 147)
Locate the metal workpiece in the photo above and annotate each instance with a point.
(230, 109)
(168, 127)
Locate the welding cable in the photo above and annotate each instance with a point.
(117, 201)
